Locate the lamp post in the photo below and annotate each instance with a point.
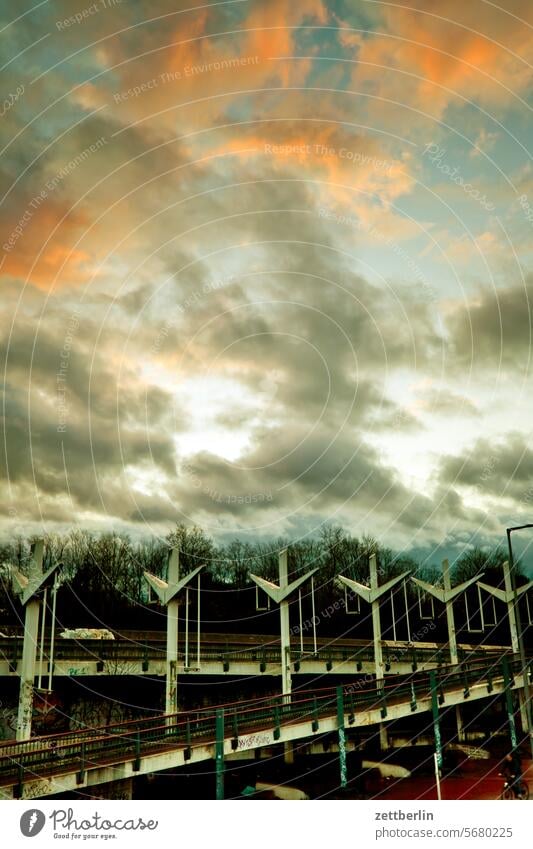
(520, 637)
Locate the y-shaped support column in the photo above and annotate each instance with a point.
(29, 589)
(372, 596)
(508, 597)
(446, 596)
(280, 595)
(167, 592)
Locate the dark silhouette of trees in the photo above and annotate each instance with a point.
(103, 581)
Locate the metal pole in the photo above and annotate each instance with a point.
(219, 754)
(313, 613)
(342, 738)
(436, 720)
(301, 622)
(481, 610)
(187, 628)
(509, 702)
(467, 614)
(41, 647)
(198, 625)
(52, 635)
(437, 775)
(518, 625)
(407, 611)
(393, 614)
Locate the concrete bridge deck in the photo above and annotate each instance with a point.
(94, 756)
(231, 655)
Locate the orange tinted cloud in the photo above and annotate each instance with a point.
(349, 170)
(272, 35)
(52, 259)
(202, 62)
(481, 57)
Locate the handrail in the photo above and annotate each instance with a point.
(63, 752)
(419, 677)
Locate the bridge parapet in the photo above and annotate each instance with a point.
(150, 743)
(124, 656)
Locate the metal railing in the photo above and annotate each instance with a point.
(78, 751)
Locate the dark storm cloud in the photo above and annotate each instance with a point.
(292, 474)
(67, 350)
(495, 331)
(498, 467)
(74, 423)
(323, 337)
(201, 249)
(37, 446)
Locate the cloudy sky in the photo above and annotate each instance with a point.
(266, 265)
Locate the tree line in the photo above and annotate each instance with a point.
(102, 580)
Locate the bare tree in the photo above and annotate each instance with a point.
(195, 547)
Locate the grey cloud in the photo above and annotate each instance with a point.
(495, 332)
(501, 468)
(285, 478)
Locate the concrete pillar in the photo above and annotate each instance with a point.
(27, 675)
(450, 619)
(119, 790)
(167, 592)
(510, 597)
(280, 593)
(28, 588)
(376, 621)
(461, 734)
(446, 596)
(285, 634)
(383, 737)
(171, 691)
(285, 638)
(378, 649)
(372, 596)
(513, 627)
(452, 639)
(510, 607)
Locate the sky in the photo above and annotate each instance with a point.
(266, 266)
